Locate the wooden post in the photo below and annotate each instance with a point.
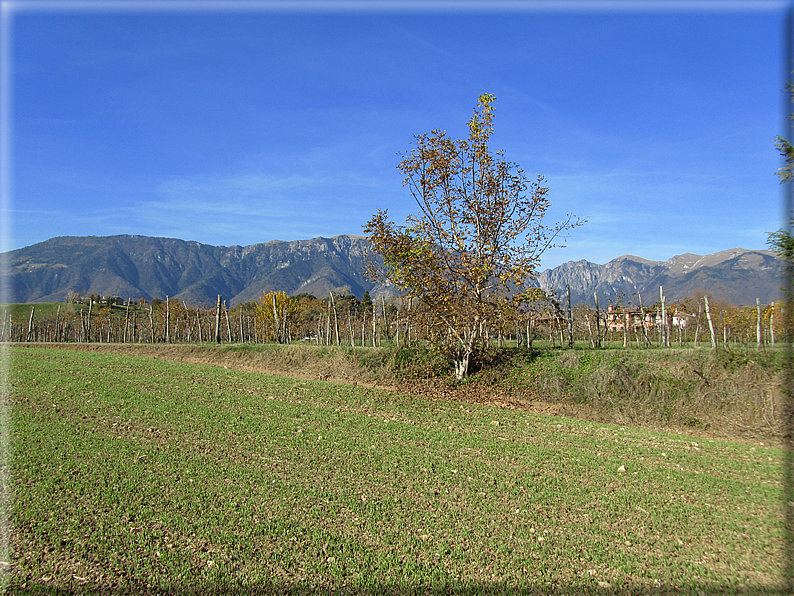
(126, 321)
(598, 322)
(645, 339)
(167, 321)
(697, 326)
(228, 327)
(57, 324)
(570, 317)
(665, 340)
(188, 323)
(88, 320)
(758, 322)
(336, 320)
(30, 324)
(218, 321)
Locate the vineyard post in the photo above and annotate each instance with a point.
(570, 317)
(30, 324)
(228, 327)
(218, 321)
(598, 323)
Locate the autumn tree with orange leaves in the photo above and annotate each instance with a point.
(467, 258)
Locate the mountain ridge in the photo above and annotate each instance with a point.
(135, 266)
(737, 275)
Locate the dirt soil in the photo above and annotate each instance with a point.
(433, 389)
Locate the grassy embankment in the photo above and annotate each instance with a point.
(136, 474)
(727, 393)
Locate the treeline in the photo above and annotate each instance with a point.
(339, 319)
(343, 319)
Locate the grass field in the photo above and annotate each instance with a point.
(137, 475)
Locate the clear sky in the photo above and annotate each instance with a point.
(245, 123)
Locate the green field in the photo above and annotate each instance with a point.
(138, 475)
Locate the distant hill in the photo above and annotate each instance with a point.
(145, 267)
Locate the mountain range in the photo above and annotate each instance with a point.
(145, 267)
(737, 275)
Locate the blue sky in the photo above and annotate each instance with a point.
(230, 126)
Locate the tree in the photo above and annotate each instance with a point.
(468, 257)
(781, 241)
(366, 304)
(276, 315)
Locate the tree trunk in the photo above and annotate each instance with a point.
(590, 332)
(385, 319)
(462, 366)
(57, 324)
(711, 323)
(276, 322)
(529, 332)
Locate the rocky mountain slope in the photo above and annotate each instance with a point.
(737, 275)
(145, 267)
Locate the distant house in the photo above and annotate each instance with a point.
(618, 319)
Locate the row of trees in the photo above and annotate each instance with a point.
(275, 317)
(343, 319)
